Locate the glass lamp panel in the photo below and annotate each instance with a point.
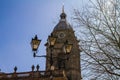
(68, 48)
(35, 47)
(35, 44)
(52, 41)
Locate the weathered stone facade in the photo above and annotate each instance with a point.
(63, 31)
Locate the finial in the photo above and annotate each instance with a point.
(37, 67)
(63, 15)
(63, 8)
(33, 67)
(15, 69)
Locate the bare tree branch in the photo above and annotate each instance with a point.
(100, 38)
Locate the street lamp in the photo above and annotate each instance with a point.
(67, 47)
(51, 40)
(35, 42)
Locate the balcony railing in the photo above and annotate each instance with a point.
(43, 75)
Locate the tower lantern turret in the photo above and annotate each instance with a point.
(63, 15)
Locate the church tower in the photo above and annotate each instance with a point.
(69, 63)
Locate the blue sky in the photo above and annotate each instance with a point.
(20, 20)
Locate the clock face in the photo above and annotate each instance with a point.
(61, 35)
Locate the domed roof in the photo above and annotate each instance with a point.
(63, 24)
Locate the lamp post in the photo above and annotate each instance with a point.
(35, 42)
